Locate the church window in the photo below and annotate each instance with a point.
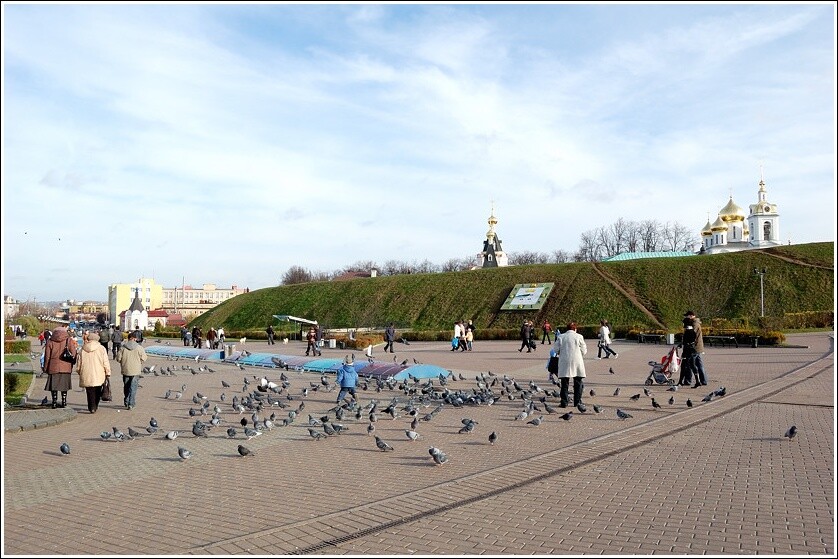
(766, 231)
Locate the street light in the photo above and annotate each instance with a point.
(761, 274)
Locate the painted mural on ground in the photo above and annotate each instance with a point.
(365, 368)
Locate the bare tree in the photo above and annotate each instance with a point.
(525, 257)
(677, 237)
(589, 250)
(561, 256)
(650, 235)
(296, 274)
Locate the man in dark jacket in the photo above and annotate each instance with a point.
(389, 337)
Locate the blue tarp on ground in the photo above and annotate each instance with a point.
(366, 368)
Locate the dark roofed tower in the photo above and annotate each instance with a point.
(493, 255)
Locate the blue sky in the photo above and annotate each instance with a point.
(226, 143)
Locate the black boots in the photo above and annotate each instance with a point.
(63, 399)
(54, 394)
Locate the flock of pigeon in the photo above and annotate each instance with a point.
(273, 404)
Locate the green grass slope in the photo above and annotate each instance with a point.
(647, 293)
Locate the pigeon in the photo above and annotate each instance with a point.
(45, 401)
(65, 448)
(617, 391)
(582, 407)
(721, 391)
(689, 403)
(231, 432)
(105, 435)
(439, 457)
(250, 433)
(655, 404)
(673, 388)
(370, 429)
(647, 392)
(134, 433)
(623, 415)
(567, 416)
(592, 393)
(316, 435)
(244, 451)
(597, 409)
(790, 434)
(549, 409)
(708, 398)
(153, 422)
(635, 397)
(198, 430)
(611, 370)
(172, 435)
(183, 453)
(225, 384)
(383, 446)
(412, 435)
(671, 400)
(468, 426)
(537, 421)
(493, 437)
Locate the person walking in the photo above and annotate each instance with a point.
(546, 329)
(526, 334)
(310, 337)
(571, 349)
(221, 335)
(469, 338)
(131, 357)
(698, 362)
(116, 340)
(389, 337)
(604, 343)
(105, 338)
(58, 370)
(270, 332)
(94, 368)
(139, 333)
(347, 378)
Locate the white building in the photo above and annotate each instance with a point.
(733, 230)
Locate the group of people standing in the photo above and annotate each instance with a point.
(62, 354)
(463, 339)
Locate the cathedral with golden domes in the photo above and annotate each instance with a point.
(733, 230)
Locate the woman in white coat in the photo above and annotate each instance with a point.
(571, 348)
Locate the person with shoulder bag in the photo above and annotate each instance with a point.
(58, 365)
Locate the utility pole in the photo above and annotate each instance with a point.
(761, 274)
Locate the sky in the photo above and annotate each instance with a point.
(224, 144)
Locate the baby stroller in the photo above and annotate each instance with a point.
(662, 372)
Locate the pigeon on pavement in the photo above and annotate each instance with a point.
(183, 453)
(65, 448)
(244, 451)
(623, 415)
(383, 446)
(790, 434)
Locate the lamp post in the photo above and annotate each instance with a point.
(761, 274)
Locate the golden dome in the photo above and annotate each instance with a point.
(719, 225)
(707, 230)
(732, 212)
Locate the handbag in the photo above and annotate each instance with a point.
(553, 365)
(66, 355)
(106, 390)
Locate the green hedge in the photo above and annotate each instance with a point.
(20, 346)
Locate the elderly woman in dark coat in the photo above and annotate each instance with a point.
(59, 371)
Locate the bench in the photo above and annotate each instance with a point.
(723, 341)
(650, 338)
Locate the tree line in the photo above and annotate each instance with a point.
(594, 245)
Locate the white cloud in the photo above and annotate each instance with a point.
(384, 132)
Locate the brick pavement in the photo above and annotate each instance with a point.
(711, 479)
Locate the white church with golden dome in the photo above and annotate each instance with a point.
(733, 230)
